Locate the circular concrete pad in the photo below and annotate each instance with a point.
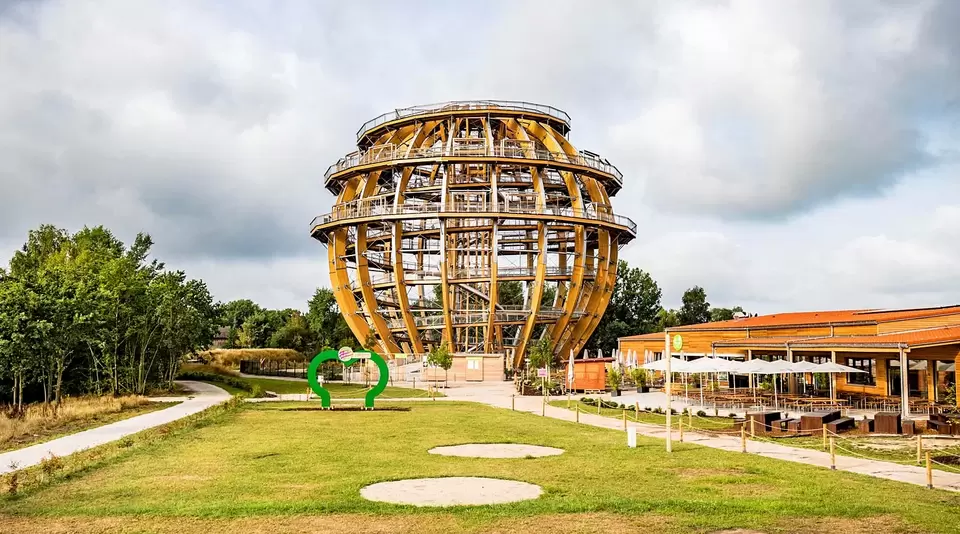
(496, 450)
(451, 491)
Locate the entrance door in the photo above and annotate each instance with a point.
(893, 378)
(474, 369)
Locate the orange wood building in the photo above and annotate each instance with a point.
(925, 341)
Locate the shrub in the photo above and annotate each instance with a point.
(639, 376)
(732, 415)
(701, 413)
(614, 378)
(50, 465)
(232, 357)
(13, 480)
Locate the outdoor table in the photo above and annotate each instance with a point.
(815, 420)
(763, 419)
(887, 423)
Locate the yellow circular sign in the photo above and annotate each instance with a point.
(677, 342)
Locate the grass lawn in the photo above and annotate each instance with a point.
(57, 428)
(337, 390)
(284, 467)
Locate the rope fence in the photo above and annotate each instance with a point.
(752, 430)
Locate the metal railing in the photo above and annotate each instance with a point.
(478, 317)
(365, 208)
(384, 153)
(464, 105)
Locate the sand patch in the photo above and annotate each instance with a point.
(496, 450)
(451, 491)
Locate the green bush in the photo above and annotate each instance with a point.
(701, 413)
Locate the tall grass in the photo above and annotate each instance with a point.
(38, 418)
(232, 357)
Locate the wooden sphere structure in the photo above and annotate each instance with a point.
(474, 222)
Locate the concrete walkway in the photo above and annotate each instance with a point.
(204, 396)
(892, 471)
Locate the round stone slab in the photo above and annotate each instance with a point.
(451, 491)
(496, 450)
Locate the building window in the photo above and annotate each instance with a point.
(866, 378)
(473, 364)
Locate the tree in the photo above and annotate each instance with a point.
(724, 314)
(232, 315)
(325, 320)
(541, 355)
(667, 319)
(295, 335)
(440, 356)
(695, 308)
(549, 296)
(83, 314)
(21, 336)
(510, 293)
(633, 308)
(259, 328)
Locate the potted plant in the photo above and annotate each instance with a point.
(639, 377)
(614, 380)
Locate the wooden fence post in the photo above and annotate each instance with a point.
(743, 439)
(624, 418)
(824, 436)
(919, 448)
(929, 472)
(833, 453)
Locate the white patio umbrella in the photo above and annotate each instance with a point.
(676, 365)
(701, 365)
(833, 368)
(804, 367)
(830, 367)
(750, 368)
(779, 367)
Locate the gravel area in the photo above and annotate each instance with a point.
(451, 491)
(496, 450)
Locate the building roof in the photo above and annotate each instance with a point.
(841, 317)
(909, 339)
(655, 336)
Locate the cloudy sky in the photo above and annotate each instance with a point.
(783, 155)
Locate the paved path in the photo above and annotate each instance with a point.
(205, 396)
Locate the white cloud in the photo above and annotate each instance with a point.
(767, 148)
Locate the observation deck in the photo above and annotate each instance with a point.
(366, 211)
(557, 118)
(382, 156)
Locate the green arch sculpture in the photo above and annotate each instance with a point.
(346, 355)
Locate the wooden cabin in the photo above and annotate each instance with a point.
(589, 374)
